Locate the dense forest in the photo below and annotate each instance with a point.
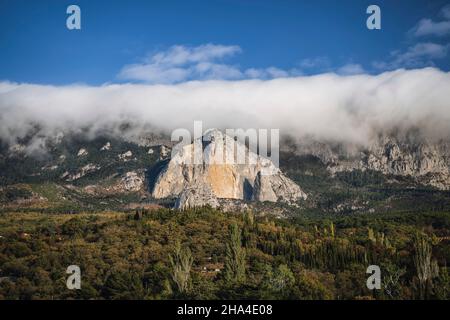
(207, 254)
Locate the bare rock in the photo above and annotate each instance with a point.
(132, 181)
(82, 152)
(221, 175)
(196, 196)
(106, 147)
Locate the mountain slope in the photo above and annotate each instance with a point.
(77, 172)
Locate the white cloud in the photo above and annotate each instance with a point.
(419, 55)
(208, 71)
(254, 73)
(351, 69)
(268, 73)
(153, 73)
(445, 12)
(276, 72)
(422, 50)
(180, 55)
(428, 27)
(181, 63)
(321, 63)
(424, 53)
(327, 106)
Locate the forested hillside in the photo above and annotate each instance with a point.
(207, 254)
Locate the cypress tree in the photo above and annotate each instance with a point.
(234, 269)
(181, 262)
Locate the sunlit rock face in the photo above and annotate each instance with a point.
(218, 167)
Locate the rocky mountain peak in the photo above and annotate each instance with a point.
(218, 167)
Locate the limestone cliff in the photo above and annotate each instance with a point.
(221, 175)
(426, 161)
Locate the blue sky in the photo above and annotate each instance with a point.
(140, 41)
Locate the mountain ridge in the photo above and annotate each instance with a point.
(107, 172)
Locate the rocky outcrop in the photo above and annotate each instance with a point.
(132, 181)
(195, 196)
(391, 156)
(163, 152)
(426, 161)
(106, 147)
(227, 170)
(89, 168)
(82, 152)
(125, 156)
(276, 188)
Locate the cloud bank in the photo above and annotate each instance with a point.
(328, 106)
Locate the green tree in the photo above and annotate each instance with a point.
(278, 282)
(234, 269)
(181, 261)
(123, 285)
(332, 230)
(371, 235)
(425, 268)
(442, 285)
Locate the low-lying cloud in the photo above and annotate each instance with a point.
(328, 106)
